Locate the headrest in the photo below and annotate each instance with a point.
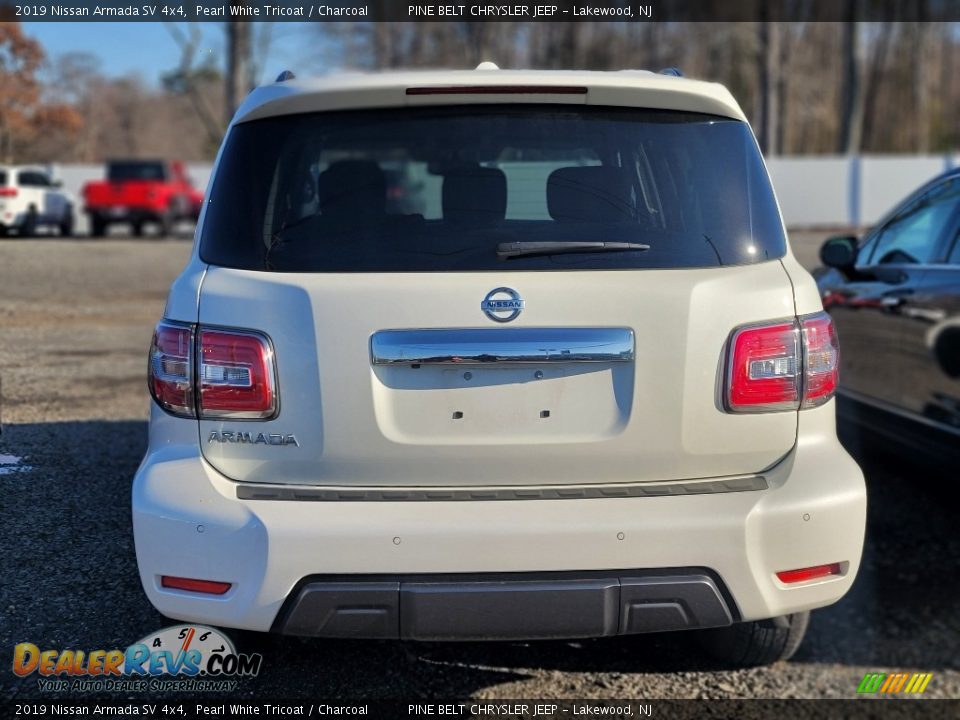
(474, 194)
(356, 187)
(593, 193)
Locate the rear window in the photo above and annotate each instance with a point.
(441, 189)
(136, 170)
(31, 178)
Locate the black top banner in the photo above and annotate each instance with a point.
(474, 11)
(632, 709)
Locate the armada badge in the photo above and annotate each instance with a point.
(248, 438)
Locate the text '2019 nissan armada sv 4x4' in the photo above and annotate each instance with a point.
(587, 391)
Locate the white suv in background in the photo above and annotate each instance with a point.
(29, 198)
(576, 385)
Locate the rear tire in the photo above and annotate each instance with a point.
(166, 226)
(66, 224)
(29, 227)
(761, 642)
(98, 228)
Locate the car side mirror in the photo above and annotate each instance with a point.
(839, 252)
(57, 183)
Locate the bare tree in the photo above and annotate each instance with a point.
(851, 95)
(948, 105)
(878, 63)
(73, 78)
(769, 72)
(239, 76)
(189, 40)
(919, 64)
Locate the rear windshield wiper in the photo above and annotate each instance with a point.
(519, 249)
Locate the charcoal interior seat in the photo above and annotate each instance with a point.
(352, 194)
(590, 194)
(474, 195)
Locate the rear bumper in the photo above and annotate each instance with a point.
(423, 569)
(12, 219)
(127, 214)
(484, 607)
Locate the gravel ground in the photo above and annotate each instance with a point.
(75, 322)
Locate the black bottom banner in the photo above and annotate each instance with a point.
(509, 709)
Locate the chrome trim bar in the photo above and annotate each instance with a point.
(502, 345)
(746, 483)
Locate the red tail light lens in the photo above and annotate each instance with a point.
(498, 90)
(170, 371)
(764, 368)
(821, 359)
(236, 376)
(810, 573)
(10, 192)
(783, 366)
(208, 587)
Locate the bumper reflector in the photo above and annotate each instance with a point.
(200, 586)
(810, 573)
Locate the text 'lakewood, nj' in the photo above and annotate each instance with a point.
(533, 11)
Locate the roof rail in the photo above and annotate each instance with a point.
(672, 71)
(286, 75)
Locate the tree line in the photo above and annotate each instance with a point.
(807, 87)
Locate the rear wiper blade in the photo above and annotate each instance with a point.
(519, 249)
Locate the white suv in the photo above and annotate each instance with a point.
(29, 198)
(586, 391)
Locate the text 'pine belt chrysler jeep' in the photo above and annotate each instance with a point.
(492, 355)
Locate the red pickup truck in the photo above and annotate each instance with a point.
(139, 192)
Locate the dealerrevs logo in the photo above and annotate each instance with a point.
(197, 656)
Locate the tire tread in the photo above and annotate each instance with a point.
(761, 642)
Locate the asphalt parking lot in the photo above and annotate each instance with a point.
(75, 322)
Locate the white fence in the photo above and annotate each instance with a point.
(813, 191)
(855, 191)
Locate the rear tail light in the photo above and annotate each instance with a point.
(10, 192)
(789, 577)
(171, 368)
(783, 365)
(213, 373)
(208, 587)
(236, 377)
(764, 367)
(821, 359)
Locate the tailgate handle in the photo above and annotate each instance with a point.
(501, 345)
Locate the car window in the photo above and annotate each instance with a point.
(31, 178)
(439, 189)
(911, 236)
(3, 177)
(954, 258)
(122, 171)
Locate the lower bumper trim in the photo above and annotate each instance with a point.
(527, 606)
